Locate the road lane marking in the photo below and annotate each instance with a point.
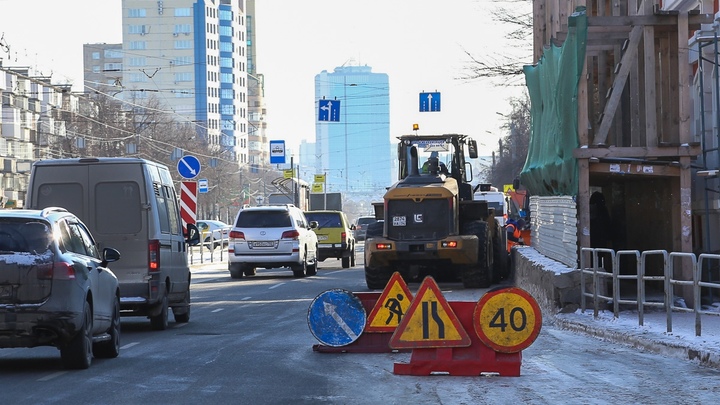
(53, 375)
(217, 310)
(245, 299)
(275, 286)
(336, 271)
(129, 345)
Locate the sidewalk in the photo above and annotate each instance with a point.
(652, 335)
(555, 285)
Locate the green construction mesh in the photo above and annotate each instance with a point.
(550, 168)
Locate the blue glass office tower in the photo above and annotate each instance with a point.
(355, 151)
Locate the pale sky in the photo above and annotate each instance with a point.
(420, 44)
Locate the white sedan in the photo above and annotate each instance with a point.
(215, 231)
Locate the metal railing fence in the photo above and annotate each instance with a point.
(592, 264)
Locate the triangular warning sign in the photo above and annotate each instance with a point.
(389, 309)
(429, 322)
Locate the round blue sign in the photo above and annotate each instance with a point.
(188, 166)
(336, 317)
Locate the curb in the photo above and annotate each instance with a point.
(644, 340)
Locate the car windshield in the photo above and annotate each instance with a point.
(24, 236)
(366, 221)
(324, 220)
(264, 219)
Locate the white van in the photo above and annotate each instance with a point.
(131, 205)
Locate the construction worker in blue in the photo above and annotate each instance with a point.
(514, 229)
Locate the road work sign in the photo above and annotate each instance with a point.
(389, 309)
(429, 322)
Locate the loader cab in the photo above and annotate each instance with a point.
(436, 155)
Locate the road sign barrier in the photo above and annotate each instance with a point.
(336, 317)
(507, 320)
(429, 322)
(367, 342)
(392, 305)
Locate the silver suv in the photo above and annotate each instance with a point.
(271, 237)
(55, 287)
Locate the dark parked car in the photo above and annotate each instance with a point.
(55, 287)
(361, 226)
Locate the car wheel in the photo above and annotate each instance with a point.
(208, 245)
(311, 269)
(182, 314)
(109, 349)
(77, 354)
(160, 321)
(249, 270)
(235, 270)
(299, 271)
(352, 257)
(345, 262)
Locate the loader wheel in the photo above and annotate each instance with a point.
(479, 275)
(500, 259)
(377, 278)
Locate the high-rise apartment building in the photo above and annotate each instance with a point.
(258, 145)
(354, 151)
(103, 68)
(192, 56)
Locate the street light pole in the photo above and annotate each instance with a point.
(346, 132)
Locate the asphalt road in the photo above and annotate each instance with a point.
(248, 342)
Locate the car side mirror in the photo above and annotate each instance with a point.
(313, 224)
(192, 237)
(109, 255)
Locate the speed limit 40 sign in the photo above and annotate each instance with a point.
(508, 320)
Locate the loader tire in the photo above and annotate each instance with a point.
(479, 275)
(377, 278)
(501, 259)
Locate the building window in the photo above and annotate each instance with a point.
(96, 69)
(183, 60)
(183, 93)
(226, 47)
(96, 55)
(226, 77)
(227, 31)
(183, 44)
(228, 109)
(138, 77)
(226, 94)
(113, 54)
(112, 66)
(182, 29)
(137, 61)
(226, 62)
(137, 29)
(226, 15)
(183, 12)
(183, 77)
(137, 13)
(137, 45)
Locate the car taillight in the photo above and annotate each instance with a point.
(154, 255)
(290, 235)
(58, 271)
(343, 236)
(237, 235)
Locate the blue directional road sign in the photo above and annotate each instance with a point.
(429, 102)
(329, 110)
(188, 166)
(336, 317)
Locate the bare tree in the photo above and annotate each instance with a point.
(518, 21)
(513, 147)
